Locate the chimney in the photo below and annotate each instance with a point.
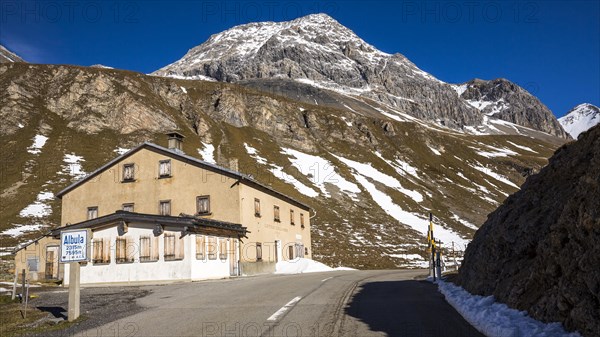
(175, 141)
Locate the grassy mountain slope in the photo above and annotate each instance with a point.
(374, 175)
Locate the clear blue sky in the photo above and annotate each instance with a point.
(552, 48)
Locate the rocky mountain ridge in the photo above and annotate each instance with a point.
(318, 51)
(503, 99)
(580, 119)
(371, 177)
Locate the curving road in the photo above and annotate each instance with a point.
(342, 303)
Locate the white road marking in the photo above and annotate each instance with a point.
(283, 309)
(329, 278)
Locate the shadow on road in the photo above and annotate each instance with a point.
(408, 308)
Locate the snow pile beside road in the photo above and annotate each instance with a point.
(299, 266)
(495, 319)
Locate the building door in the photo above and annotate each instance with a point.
(233, 257)
(278, 251)
(51, 271)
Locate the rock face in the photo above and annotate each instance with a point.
(505, 100)
(580, 119)
(540, 250)
(6, 56)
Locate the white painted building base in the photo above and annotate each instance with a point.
(161, 271)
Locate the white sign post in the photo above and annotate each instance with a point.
(74, 248)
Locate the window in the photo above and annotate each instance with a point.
(32, 263)
(101, 251)
(212, 248)
(276, 214)
(291, 252)
(302, 220)
(125, 250)
(164, 168)
(256, 207)
(173, 247)
(223, 249)
(128, 207)
(148, 248)
(292, 217)
(164, 207)
(200, 247)
(92, 212)
(129, 172)
(203, 204)
(258, 251)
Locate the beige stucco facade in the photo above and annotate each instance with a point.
(232, 199)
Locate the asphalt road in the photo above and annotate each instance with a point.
(343, 303)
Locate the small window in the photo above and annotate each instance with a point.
(128, 207)
(258, 251)
(223, 249)
(212, 248)
(302, 220)
(292, 217)
(32, 263)
(305, 250)
(148, 248)
(101, 251)
(291, 252)
(200, 247)
(125, 250)
(92, 212)
(276, 217)
(257, 207)
(173, 247)
(203, 204)
(129, 172)
(164, 207)
(164, 168)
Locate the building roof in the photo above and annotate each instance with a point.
(192, 223)
(243, 178)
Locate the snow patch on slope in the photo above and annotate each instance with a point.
(39, 208)
(38, 143)
(207, 153)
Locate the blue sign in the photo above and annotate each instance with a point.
(74, 245)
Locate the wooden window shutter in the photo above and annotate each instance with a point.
(169, 253)
(212, 248)
(180, 248)
(200, 246)
(223, 249)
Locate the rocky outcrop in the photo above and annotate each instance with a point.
(540, 250)
(506, 100)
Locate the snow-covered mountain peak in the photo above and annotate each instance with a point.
(317, 32)
(6, 56)
(317, 52)
(580, 119)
